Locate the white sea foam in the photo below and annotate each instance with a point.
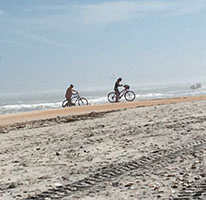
(149, 95)
(27, 107)
(97, 100)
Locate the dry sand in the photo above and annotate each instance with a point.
(139, 150)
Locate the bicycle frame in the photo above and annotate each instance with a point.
(75, 98)
(122, 92)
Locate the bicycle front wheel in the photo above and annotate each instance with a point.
(129, 96)
(65, 103)
(82, 101)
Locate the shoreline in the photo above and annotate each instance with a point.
(24, 117)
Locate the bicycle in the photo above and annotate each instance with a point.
(76, 99)
(126, 93)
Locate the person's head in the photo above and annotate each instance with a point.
(71, 86)
(119, 79)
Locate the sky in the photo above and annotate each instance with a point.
(47, 44)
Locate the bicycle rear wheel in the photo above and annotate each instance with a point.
(111, 97)
(65, 103)
(82, 101)
(129, 96)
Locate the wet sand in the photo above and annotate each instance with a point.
(140, 150)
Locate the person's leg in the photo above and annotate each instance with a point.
(69, 102)
(117, 95)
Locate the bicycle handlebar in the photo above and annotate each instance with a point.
(75, 93)
(126, 87)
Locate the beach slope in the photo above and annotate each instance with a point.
(139, 150)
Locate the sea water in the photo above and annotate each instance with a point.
(24, 102)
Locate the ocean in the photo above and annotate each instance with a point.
(24, 102)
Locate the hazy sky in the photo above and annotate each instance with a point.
(48, 44)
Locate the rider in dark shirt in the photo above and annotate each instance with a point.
(117, 84)
(70, 91)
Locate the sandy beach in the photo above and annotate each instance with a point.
(141, 150)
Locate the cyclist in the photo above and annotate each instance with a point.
(117, 84)
(69, 94)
